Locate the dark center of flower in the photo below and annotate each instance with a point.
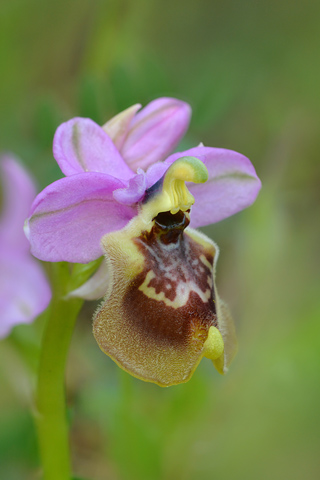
(169, 221)
(168, 227)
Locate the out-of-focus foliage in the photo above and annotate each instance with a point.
(250, 70)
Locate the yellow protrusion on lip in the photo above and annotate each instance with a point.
(174, 195)
(213, 346)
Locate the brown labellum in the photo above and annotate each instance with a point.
(155, 319)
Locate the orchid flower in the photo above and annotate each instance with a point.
(24, 289)
(123, 197)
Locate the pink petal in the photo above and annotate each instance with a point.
(155, 172)
(134, 192)
(70, 216)
(155, 131)
(24, 291)
(80, 145)
(232, 185)
(18, 195)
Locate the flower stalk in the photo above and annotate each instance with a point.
(51, 417)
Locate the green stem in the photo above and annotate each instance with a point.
(50, 396)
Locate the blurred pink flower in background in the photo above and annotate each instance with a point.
(24, 289)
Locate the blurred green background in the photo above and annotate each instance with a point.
(251, 72)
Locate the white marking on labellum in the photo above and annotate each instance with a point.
(183, 290)
(205, 262)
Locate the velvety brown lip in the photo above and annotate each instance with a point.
(174, 259)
